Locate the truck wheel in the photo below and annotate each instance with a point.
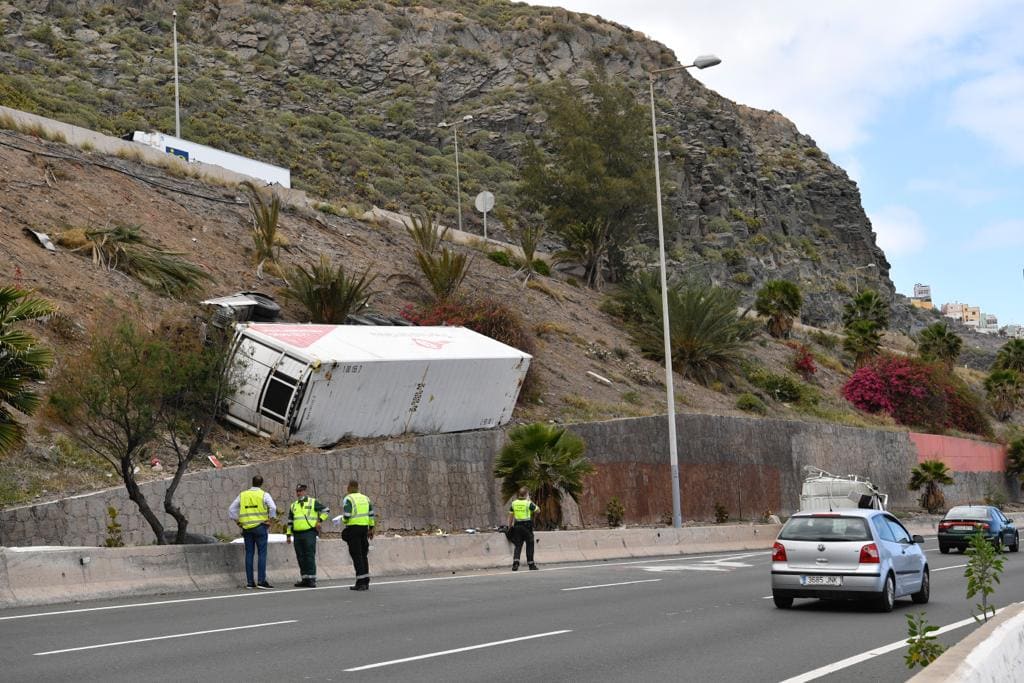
(944, 549)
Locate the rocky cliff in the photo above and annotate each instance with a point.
(348, 94)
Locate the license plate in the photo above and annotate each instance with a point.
(821, 580)
(963, 527)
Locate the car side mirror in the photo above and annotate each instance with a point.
(918, 539)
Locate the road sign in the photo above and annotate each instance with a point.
(484, 203)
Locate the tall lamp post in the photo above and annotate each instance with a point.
(856, 278)
(177, 110)
(458, 182)
(702, 62)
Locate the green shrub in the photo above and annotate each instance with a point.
(615, 512)
(780, 387)
(749, 403)
(502, 258)
(541, 267)
(824, 339)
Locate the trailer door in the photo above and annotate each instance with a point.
(267, 382)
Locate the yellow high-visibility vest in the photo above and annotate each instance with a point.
(251, 510)
(361, 514)
(521, 510)
(304, 516)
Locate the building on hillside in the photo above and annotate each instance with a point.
(922, 297)
(194, 152)
(963, 313)
(1012, 331)
(988, 324)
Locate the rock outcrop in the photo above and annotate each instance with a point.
(349, 94)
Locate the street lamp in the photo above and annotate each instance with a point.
(458, 185)
(702, 62)
(177, 111)
(856, 278)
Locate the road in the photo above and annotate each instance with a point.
(685, 618)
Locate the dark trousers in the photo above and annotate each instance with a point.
(523, 533)
(358, 540)
(305, 552)
(255, 541)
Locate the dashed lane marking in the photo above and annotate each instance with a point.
(610, 585)
(457, 650)
(169, 637)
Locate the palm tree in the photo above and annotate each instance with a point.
(548, 460)
(328, 293)
(1015, 460)
(938, 343)
(265, 216)
(1010, 356)
(1005, 389)
(931, 475)
(706, 333)
(867, 305)
(22, 361)
(862, 341)
(780, 302)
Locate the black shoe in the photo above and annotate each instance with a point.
(302, 584)
(359, 587)
(515, 566)
(263, 585)
(310, 583)
(250, 586)
(533, 567)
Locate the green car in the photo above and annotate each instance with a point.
(963, 521)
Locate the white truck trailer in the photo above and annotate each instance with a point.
(321, 383)
(193, 151)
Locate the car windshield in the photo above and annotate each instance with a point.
(825, 529)
(968, 513)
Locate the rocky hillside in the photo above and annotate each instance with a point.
(348, 94)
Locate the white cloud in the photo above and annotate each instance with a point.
(1001, 235)
(954, 188)
(899, 230)
(992, 107)
(829, 66)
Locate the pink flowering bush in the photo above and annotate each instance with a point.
(917, 394)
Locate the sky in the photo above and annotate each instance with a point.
(920, 101)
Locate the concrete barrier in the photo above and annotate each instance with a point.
(993, 653)
(38, 576)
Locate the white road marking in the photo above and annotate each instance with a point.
(952, 566)
(457, 650)
(870, 654)
(686, 567)
(175, 635)
(609, 585)
(264, 594)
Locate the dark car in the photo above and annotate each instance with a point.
(963, 521)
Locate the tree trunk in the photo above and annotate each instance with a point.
(136, 495)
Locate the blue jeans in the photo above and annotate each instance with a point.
(255, 539)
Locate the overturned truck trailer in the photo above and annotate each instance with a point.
(321, 383)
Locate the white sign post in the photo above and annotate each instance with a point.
(484, 203)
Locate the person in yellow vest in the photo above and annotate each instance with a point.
(304, 518)
(520, 520)
(360, 519)
(252, 511)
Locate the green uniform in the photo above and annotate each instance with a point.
(303, 516)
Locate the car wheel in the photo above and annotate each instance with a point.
(921, 596)
(944, 549)
(1016, 543)
(782, 602)
(886, 600)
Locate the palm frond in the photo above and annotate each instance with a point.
(327, 292)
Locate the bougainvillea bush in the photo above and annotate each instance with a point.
(916, 394)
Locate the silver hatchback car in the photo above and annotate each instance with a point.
(849, 554)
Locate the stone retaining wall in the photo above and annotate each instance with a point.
(747, 465)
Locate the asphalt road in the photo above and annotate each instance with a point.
(686, 618)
